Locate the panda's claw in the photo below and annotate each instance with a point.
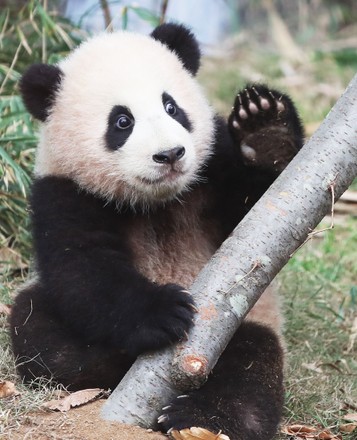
(185, 291)
(194, 308)
(162, 418)
(255, 91)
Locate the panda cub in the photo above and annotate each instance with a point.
(137, 183)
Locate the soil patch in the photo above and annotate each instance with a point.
(82, 423)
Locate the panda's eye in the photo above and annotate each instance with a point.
(124, 122)
(170, 108)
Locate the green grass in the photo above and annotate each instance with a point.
(319, 287)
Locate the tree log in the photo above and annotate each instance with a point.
(232, 281)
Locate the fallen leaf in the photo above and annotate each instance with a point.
(7, 389)
(298, 429)
(75, 399)
(348, 427)
(195, 433)
(313, 367)
(352, 417)
(60, 394)
(5, 309)
(327, 435)
(309, 432)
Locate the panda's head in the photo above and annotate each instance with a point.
(123, 115)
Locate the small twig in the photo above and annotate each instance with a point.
(107, 16)
(255, 266)
(29, 315)
(311, 234)
(44, 42)
(164, 5)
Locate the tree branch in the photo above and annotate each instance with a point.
(232, 281)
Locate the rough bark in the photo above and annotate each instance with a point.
(245, 264)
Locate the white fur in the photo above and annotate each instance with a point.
(131, 70)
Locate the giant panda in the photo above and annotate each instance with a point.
(137, 183)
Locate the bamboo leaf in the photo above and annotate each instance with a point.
(146, 15)
(22, 178)
(124, 18)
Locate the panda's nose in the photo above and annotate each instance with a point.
(169, 156)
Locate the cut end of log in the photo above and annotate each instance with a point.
(189, 371)
(195, 365)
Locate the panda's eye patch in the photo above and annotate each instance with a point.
(170, 108)
(175, 111)
(124, 122)
(120, 126)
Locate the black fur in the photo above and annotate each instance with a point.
(38, 87)
(181, 41)
(91, 312)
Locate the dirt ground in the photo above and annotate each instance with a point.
(82, 423)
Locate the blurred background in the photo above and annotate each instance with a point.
(307, 48)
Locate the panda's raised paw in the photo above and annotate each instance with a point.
(266, 128)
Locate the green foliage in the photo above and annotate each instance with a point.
(143, 13)
(33, 35)
(17, 143)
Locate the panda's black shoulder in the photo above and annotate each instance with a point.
(59, 200)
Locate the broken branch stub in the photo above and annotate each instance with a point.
(232, 281)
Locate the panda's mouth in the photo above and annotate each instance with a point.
(169, 176)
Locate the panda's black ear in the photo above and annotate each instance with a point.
(180, 40)
(38, 87)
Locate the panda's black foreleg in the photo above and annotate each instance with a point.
(265, 127)
(45, 348)
(243, 396)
